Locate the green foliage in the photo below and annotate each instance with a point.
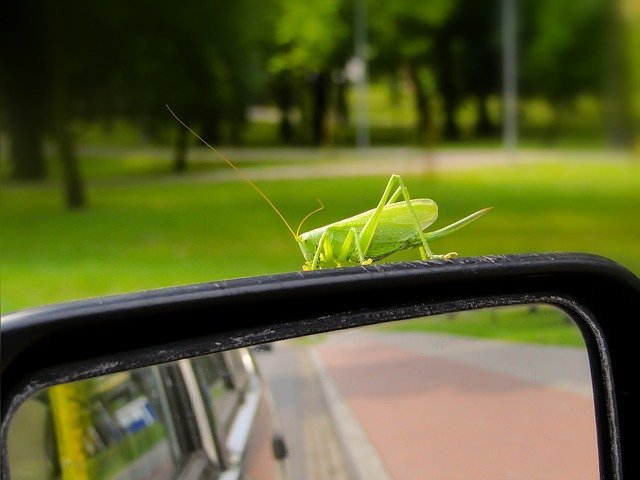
(306, 35)
(567, 57)
(123, 61)
(403, 30)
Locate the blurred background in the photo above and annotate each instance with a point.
(529, 106)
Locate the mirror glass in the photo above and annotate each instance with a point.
(501, 393)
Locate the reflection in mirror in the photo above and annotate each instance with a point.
(488, 394)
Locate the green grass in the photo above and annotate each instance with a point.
(138, 236)
(543, 325)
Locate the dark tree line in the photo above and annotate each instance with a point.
(67, 59)
(64, 60)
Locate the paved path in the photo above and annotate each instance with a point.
(433, 406)
(432, 411)
(314, 449)
(294, 163)
(565, 368)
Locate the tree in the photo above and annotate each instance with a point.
(105, 59)
(618, 90)
(41, 72)
(202, 59)
(404, 37)
(472, 38)
(311, 41)
(574, 48)
(23, 93)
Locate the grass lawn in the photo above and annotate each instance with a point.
(543, 324)
(141, 235)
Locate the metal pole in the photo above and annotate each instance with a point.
(361, 83)
(509, 75)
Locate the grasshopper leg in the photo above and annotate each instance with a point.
(425, 251)
(352, 239)
(366, 234)
(395, 185)
(323, 244)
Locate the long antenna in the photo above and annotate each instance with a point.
(244, 177)
(308, 215)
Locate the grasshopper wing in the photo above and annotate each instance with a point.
(397, 215)
(395, 228)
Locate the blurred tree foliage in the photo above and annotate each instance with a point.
(578, 48)
(310, 43)
(69, 59)
(407, 40)
(64, 60)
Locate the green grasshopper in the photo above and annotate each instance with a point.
(369, 236)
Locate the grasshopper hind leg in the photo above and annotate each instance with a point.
(395, 188)
(425, 251)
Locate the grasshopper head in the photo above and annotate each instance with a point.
(308, 245)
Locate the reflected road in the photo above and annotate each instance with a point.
(433, 406)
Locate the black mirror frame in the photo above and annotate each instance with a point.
(71, 341)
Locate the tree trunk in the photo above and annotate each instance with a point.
(25, 65)
(286, 128)
(61, 115)
(180, 159)
(74, 188)
(210, 126)
(320, 87)
(425, 125)
(27, 148)
(447, 84)
(63, 137)
(451, 130)
(285, 99)
(618, 81)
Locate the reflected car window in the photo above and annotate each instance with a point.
(199, 419)
(121, 431)
(222, 389)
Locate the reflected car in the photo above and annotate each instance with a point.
(202, 418)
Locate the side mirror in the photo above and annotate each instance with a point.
(194, 339)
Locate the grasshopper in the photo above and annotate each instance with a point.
(370, 236)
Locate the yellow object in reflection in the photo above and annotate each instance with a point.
(68, 424)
